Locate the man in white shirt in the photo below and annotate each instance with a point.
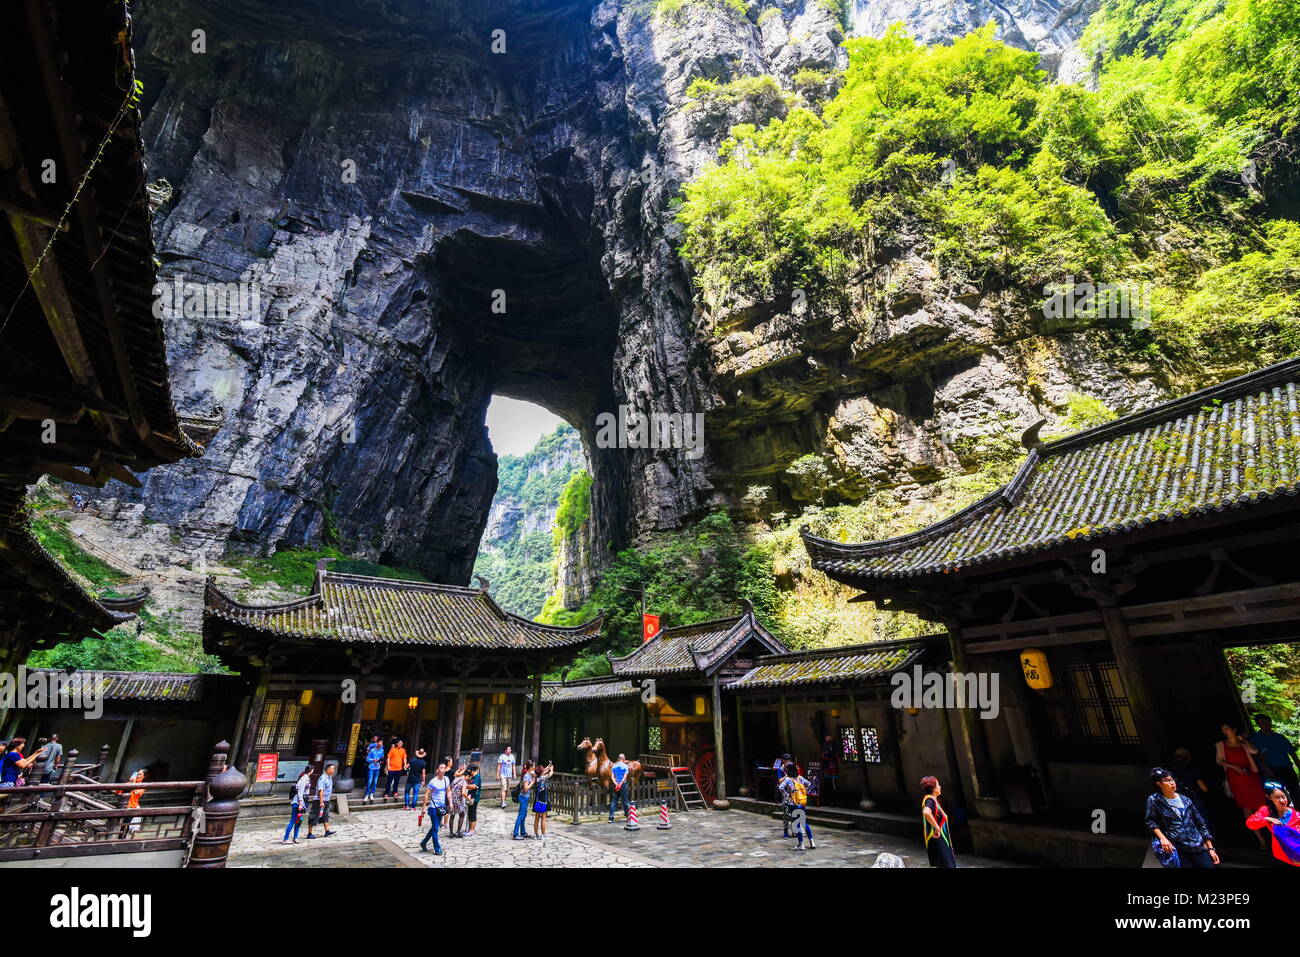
(505, 771)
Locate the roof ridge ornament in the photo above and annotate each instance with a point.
(1029, 438)
(483, 583)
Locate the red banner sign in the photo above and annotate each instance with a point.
(268, 767)
(649, 627)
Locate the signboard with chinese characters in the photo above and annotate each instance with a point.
(353, 735)
(268, 766)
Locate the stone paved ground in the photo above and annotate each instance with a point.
(390, 838)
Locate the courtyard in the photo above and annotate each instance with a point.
(391, 838)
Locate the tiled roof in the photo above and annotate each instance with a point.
(41, 585)
(359, 609)
(691, 648)
(1225, 447)
(555, 692)
(848, 664)
(131, 685)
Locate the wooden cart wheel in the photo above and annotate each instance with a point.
(705, 774)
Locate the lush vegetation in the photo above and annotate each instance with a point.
(520, 564)
(1175, 173)
(294, 569)
(688, 577)
(1272, 673)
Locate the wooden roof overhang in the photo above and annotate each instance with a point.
(358, 623)
(871, 665)
(80, 346)
(1169, 496)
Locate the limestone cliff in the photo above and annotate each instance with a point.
(440, 201)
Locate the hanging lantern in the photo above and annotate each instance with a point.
(1038, 673)
(304, 699)
(412, 702)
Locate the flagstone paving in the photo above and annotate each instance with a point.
(391, 838)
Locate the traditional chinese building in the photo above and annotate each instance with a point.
(442, 666)
(85, 394)
(1102, 585)
(830, 710)
(664, 697)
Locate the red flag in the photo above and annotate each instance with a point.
(649, 627)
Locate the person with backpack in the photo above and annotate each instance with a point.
(794, 795)
(435, 797)
(526, 779)
(298, 805)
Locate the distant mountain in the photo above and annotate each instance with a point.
(516, 552)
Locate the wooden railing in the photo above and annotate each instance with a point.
(74, 818)
(573, 797)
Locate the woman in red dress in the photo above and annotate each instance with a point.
(1236, 756)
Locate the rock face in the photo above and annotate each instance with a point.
(435, 201)
(1048, 27)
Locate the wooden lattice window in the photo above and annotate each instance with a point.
(278, 729)
(849, 745)
(1088, 712)
(870, 745)
(860, 744)
(499, 720)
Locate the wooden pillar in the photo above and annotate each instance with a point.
(419, 722)
(255, 708)
(537, 716)
(120, 757)
(988, 803)
(740, 744)
(460, 722)
(212, 845)
(867, 804)
(351, 716)
(104, 751)
(785, 727)
(719, 747)
(1135, 686)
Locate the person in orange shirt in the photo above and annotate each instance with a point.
(133, 801)
(397, 764)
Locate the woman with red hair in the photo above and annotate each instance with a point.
(938, 840)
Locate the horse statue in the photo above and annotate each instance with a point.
(604, 766)
(591, 764)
